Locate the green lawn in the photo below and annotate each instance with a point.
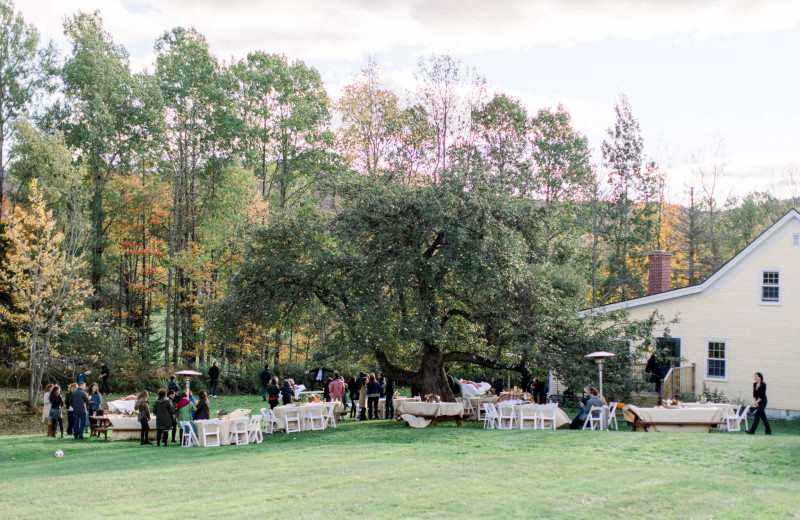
(384, 470)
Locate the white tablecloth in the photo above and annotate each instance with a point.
(121, 405)
(469, 390)
(225, 427)
(129, 422)
(280, 413)
(562, 419)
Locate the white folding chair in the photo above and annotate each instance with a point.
(481, 411)
(506, 418)
(743, 417)
(547, 412)
(489, 416)
(594, 419)
(291, 418)
(330, 414)
(730, 418)
(188, 437)
(315, 420)
(528, 417)
(239, 431)
(468, 408)
(269, 422)
(254, 429)
(211, 431)
(612, 416)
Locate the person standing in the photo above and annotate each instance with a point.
(185, 410)
(274, 392)
(68, 404)
(96, 401)
(202, 412)
(173, 396)
(105, 373)
(337, 387)
(362, 396)
(353, 388)
(287, 392)
(266, 377)
(79, 401)
(654, 369)
(326, 390)
(497, 385)
(55, 410)
(163, 411)
(760, 402)
(213, 377)
(373, 396)
(388, 391)
(143, 410)
(172, 386)
(317, 375)
(46, 409)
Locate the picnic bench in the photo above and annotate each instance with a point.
(102, 425)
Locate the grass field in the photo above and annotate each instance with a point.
(384, 470)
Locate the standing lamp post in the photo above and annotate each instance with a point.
(187, 375)
(599, 358)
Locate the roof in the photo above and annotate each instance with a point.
(715, 280)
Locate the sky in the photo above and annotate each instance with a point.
(712, 82)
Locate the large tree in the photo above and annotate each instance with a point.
(22, 73)
(419, 277)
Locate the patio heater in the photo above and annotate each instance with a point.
(599, 358)
(187, 375)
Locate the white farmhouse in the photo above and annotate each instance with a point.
(744, 319)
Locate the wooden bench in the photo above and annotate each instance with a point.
(95, 430)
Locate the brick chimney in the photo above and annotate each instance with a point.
(660, 271)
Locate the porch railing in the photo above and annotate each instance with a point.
(678, 381)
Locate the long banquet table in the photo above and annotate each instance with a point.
(562, 419)
(280, 413)
(421, 414)
(128, 427)
(225, 427)
(685, 420)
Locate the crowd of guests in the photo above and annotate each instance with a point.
(82, 408)
(170, 409)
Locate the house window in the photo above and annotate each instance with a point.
(770, 286)
(796, 239)
(716, 359)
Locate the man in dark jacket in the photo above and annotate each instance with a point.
(164, 412)
(497, 385)
(266, 377)
(318, 375)
(79, 400)
(213, 377)
(654, 369)
(105, 373)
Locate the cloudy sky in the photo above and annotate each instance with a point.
(708, 79)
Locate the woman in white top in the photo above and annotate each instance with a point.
(46, 411)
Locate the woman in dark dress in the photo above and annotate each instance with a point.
(202, 414)
(274, 393)
(760, 401)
